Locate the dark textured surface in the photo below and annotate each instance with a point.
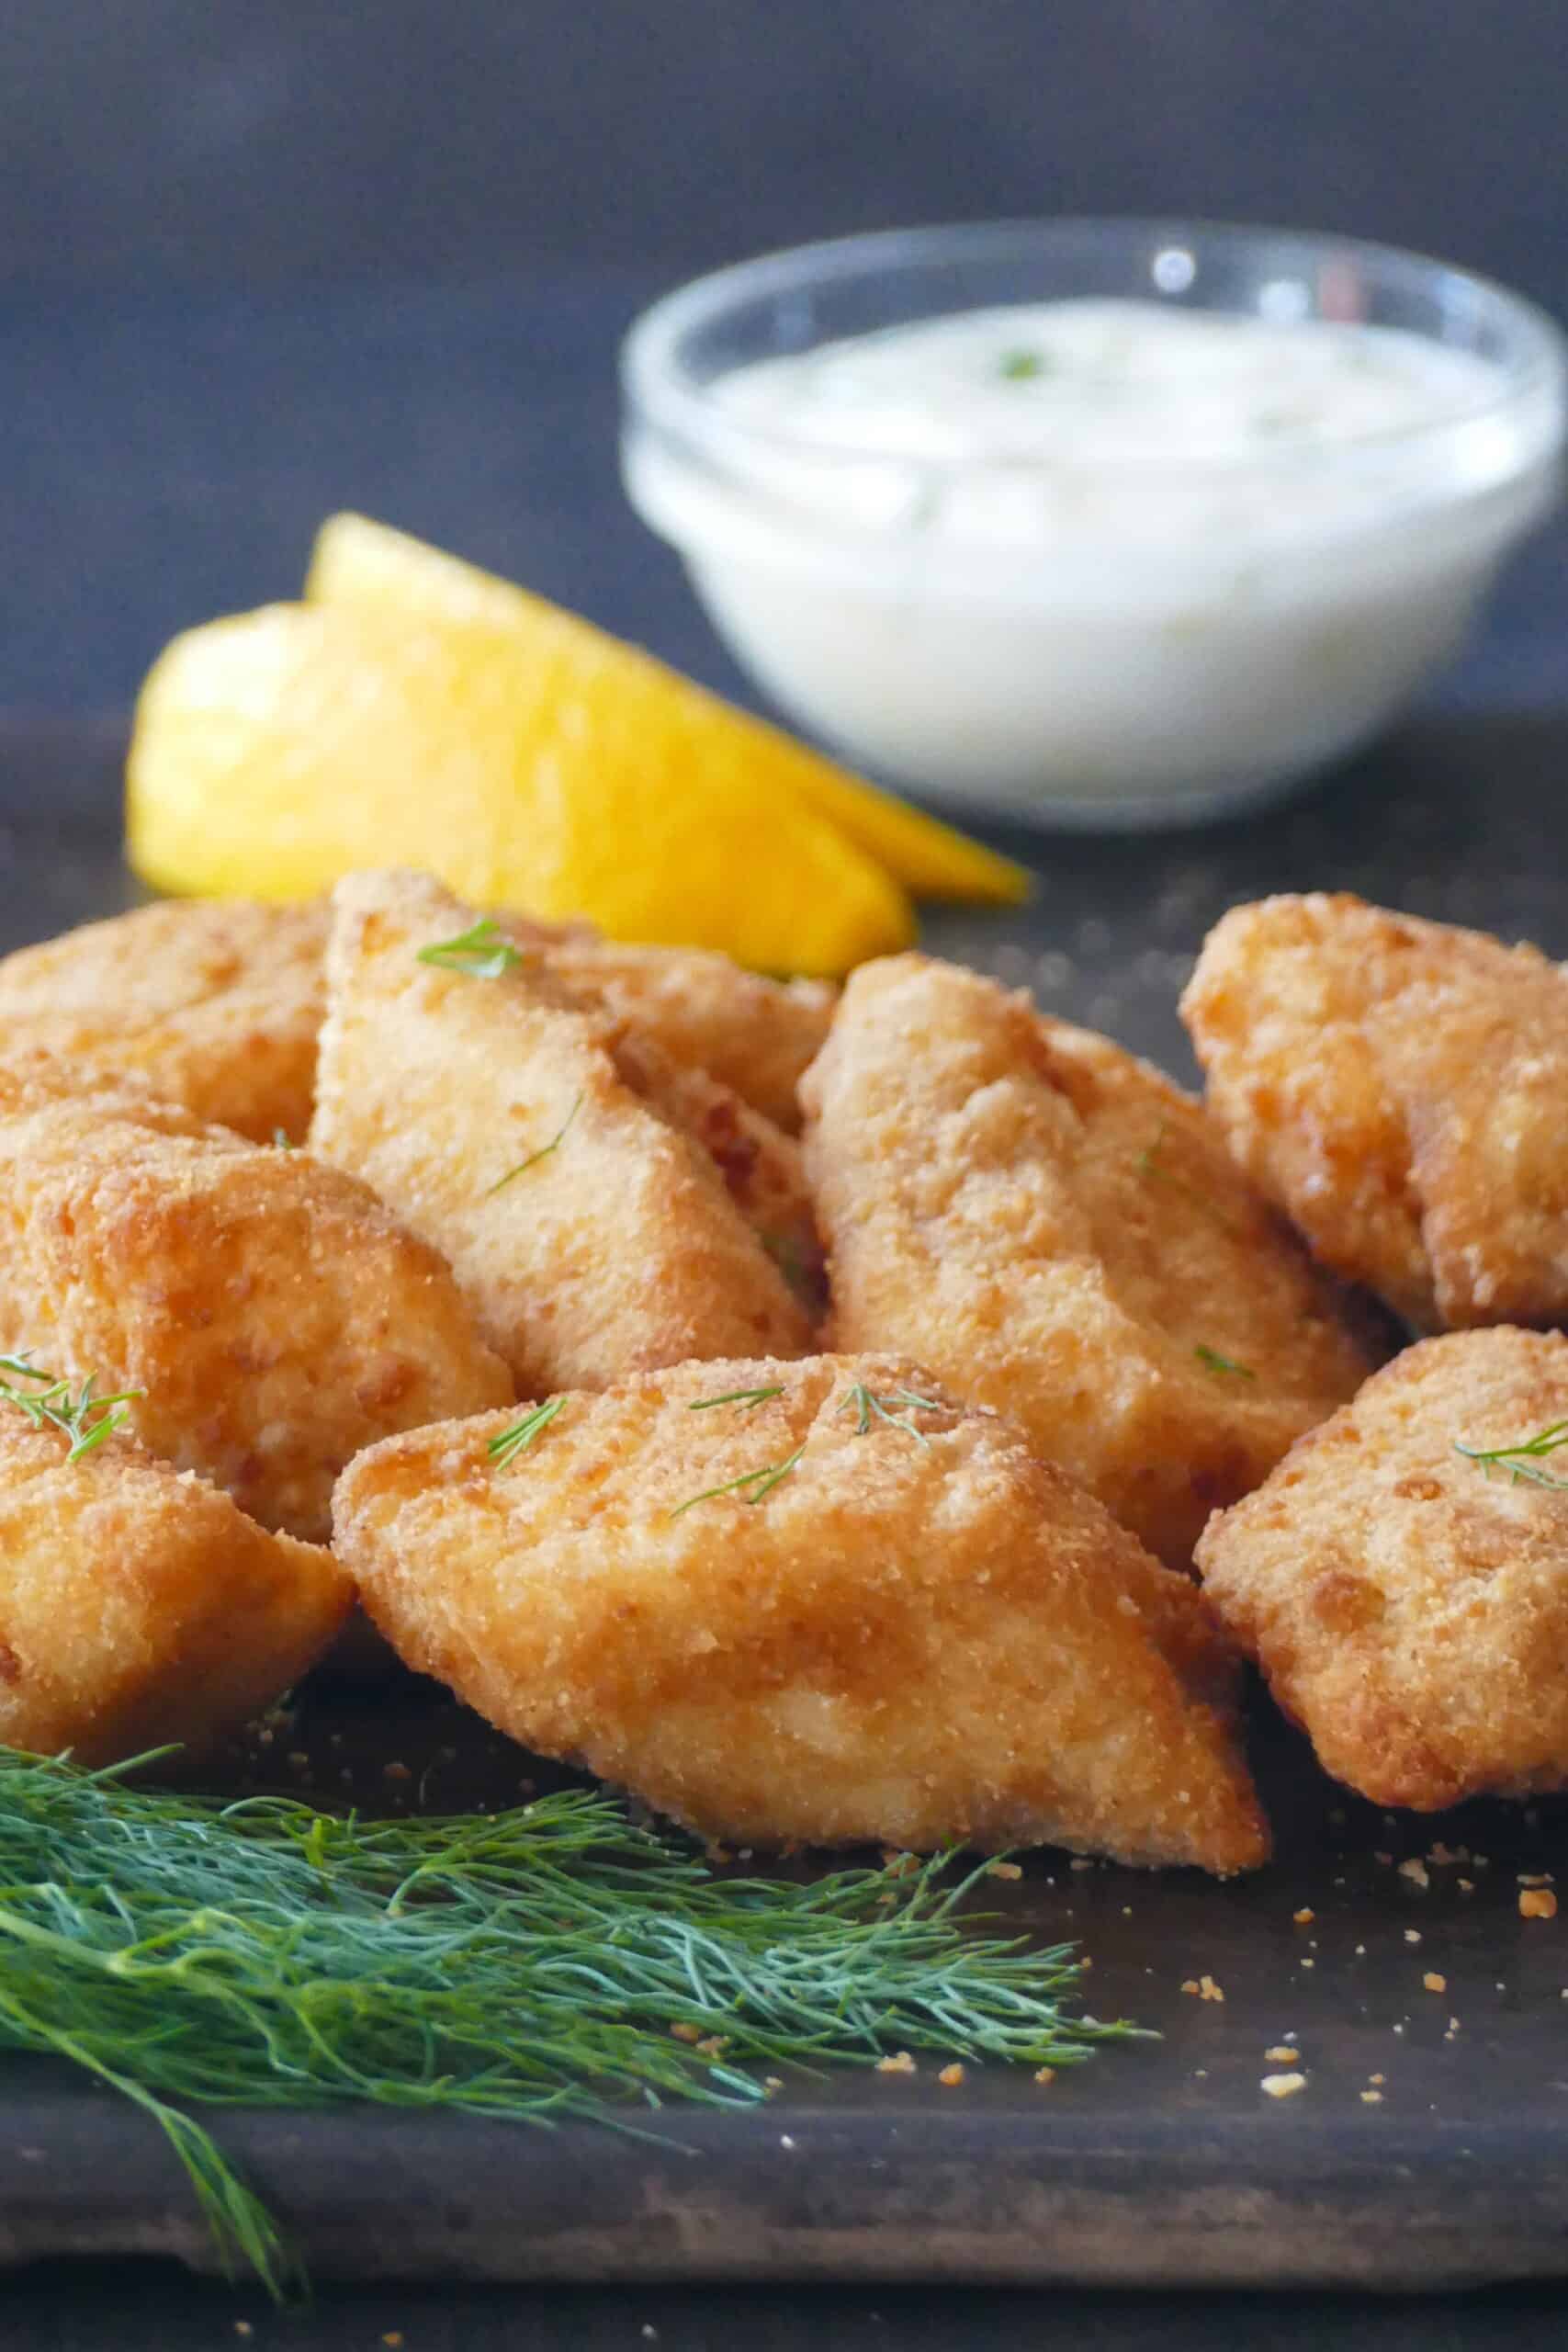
(1159, 2162)
(282, 139)
(77, 2308)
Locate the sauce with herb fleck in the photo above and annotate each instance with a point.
(1109, 560)
(1045, 417)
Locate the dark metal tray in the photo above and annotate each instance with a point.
(1159, 2162)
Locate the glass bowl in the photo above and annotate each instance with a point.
(1170, 636)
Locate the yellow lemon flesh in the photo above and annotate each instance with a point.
(621, 703)
(275, 751)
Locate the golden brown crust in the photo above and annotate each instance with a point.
(139, 1607)
(215, 1003)
(275, 1314)
(762, 1167)
(619, 1247)
(755, 1035)
(1409, 1609)
(1396, 1087)
(908, 1637)
(1058, 1232)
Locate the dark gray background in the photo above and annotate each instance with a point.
(265, 257)
(273, 138)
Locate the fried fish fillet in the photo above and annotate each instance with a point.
(815, 1602)
(763, 1169)
(1407, 1602)
(1397, 1087)
(755, 1035)
(760, 1164)
(138, 1606)
(215, 1002)
(592, 1236)
(1056, 1230)
(274, 1314)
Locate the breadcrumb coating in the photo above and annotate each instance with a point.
(138, 1606)
(793, 1616)
(754, 1035)
(1060, 1234)
(762, 1167)
(1409, 1604)
(275, 1314)
(592, 1236)
(1396, 1087)
(215, 1002)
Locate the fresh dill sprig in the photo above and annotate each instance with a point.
(1521, 1461)
(761, 1483)
(737, 1396)
(543, 1153)
(1211, 1361)
(51, 1402)
(866, 1404)
(520, 1435)
(550, 1962)
(480, 951)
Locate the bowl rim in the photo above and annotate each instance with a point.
(659, 389)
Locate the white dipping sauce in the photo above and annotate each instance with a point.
(1090, 558)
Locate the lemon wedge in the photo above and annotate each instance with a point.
(610, 700)
(274, 750)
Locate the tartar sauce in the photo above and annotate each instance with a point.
(1087, 557)
(1041, 423)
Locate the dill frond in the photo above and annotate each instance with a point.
(51, 1402)
(527, 1964)
(543, 1153)
(866, 1404)
(737, 1396)
(520, 1435)
(1522, 1460)
(761, 1483)
(480, 951)
(1211, 1361)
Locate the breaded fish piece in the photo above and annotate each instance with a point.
(591, 1236)
(762, 1169)
(216, 1003)
(275, 1314)
(1397, 1087)
(1408, 1602)
(1057, 1232)
(755, 1035)
(810, 1601)
(138, 1606)
(759, 1160)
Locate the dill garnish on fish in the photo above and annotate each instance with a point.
(51, 1402)
(544, 1151)
(865, 1404)
(510, 1442)
(761, 1483)
(1523, 1459)
(736, 1397)
(1213, 1360)
(480, 951)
